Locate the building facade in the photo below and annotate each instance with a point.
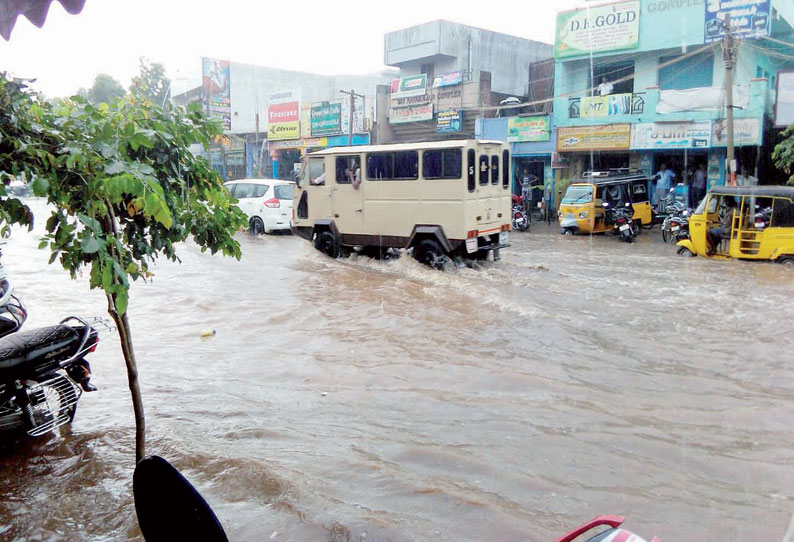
(451, 75)
(641, 83)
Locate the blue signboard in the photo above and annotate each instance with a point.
(749, 18)
(450, 120)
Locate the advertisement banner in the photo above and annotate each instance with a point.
(215, 80)
(594, 138)
(283, 96)
(745, 132)
(605, 106)
(412, 113)
(283, 112)
(326, 118)
(749, 19)
(784, 106)
(448, 79)
(671, 135)
(414, 85)
(283, 130)
(601, 28)
(450, 120)
(528, 129)
(306, 121)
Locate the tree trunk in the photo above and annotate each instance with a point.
(125, 338)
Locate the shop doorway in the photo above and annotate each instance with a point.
(683, 164)
(531, 171)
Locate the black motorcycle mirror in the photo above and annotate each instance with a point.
(169, 507)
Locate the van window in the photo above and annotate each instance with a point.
(283, 191)
(470, 167)
(348, 169)
(387, 166)
(782, 213)
(505, 169)
(441, 164)
(494, 170)
(314, 171)
(485, 169)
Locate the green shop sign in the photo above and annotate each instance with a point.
(613, 27)
(326, 118)
(527, 129)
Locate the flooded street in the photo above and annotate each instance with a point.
(381, 400)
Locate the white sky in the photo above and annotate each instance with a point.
(326, 37)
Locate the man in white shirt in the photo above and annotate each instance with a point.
(605, 88)
(745, 179)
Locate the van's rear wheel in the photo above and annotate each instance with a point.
(430, 253)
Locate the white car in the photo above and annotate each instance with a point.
(267, 202)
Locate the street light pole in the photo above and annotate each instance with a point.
(728, 58)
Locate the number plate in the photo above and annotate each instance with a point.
(624, 227)
(675, 228)
(504, 237)
(568, 215)
(471, 245)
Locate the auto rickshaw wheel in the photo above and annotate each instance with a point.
(683, 251)
(567, 231)
(786, 260)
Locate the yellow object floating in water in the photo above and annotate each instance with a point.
(208, 333)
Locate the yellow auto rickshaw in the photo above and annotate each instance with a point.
(750, 223)
(581, 209)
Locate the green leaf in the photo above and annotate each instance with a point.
(90, 245)
(39, 186)
(120, 300)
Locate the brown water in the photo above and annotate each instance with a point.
(370, 400)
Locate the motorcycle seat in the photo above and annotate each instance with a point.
(19, 348)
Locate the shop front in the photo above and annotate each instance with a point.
(286, 155)
(588, 148)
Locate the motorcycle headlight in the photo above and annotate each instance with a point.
(584, 214)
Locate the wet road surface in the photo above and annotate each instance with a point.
(380, 400)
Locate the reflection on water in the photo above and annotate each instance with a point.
(380, 400)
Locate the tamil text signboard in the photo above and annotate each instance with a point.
(784, 107)
(745, 132)
(594, 138)
(448, 79)
(671, 135)
(521, 129)
(749, 18)
(450, 120)
(415, 85)
(412, 113)
(613, 27)
(283, 114)
(605, 106)
(215, 80)
(326, 118)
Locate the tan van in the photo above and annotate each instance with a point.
(446, 199)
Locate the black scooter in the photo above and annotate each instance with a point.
(621, 219)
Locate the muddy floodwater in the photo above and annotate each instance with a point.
(356, 399)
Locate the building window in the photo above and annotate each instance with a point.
(691, 72)
(619, 74)
(441, 164)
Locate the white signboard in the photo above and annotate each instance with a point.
(745, 132)
(671, 135)
(784, 108)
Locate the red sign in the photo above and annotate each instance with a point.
(283, 112)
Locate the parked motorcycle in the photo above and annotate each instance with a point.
(520, 219)
(622, 222)
(676, 225)
(612, 533)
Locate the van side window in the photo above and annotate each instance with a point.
(348, 169)
(782, 213)
(441, 164)
(315, 170)
(470, 167)
(494, 170)
(388, 166)
(505, 169)
(485, 169)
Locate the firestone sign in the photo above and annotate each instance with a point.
(598, 29)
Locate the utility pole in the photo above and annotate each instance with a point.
(729, 58)
(353, 96)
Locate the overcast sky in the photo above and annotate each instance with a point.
(325, 37)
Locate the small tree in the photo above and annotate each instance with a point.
(783, 155)
(125, 189)
(151, 82)
(104, 90)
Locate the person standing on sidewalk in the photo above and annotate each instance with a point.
(698, 185)
(664, 180)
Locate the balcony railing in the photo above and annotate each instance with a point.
(636, 106)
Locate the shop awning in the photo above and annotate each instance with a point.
(35, 10)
